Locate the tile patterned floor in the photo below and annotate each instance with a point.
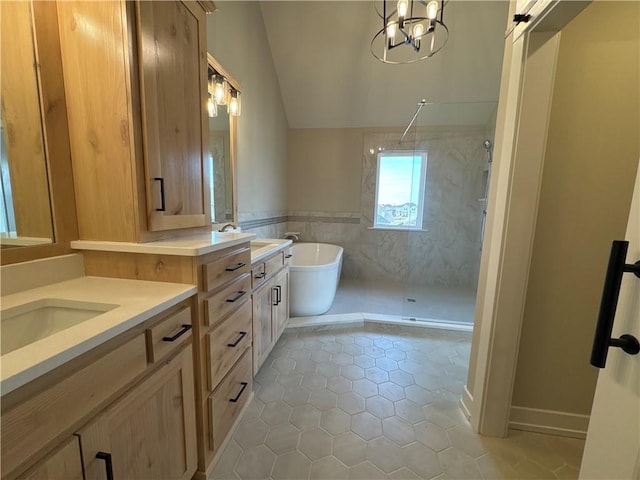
(377, 402)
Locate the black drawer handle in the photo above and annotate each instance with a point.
(279, 294)
(260, 275)
(107, 463)
(237, 397)
(184, 329)
(163, 206)
(276, 296)
(238, 295)
(235, 267)
(234, 344)
(288, 256)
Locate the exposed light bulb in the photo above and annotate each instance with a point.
(234, 103)
(212, 108)
(391, 31)
(372, 151)
(220, 90)
(403, 7)
(418, 30)
(432, 9)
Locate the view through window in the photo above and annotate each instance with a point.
(400, 189)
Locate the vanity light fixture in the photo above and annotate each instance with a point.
(234, 103)
(416, 25)
(220, 89)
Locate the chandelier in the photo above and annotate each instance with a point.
(412, 30)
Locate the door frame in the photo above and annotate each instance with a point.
(524, 106)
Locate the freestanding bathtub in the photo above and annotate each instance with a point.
(314, 273)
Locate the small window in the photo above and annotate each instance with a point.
(400, 189)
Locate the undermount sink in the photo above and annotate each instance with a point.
(33, 321)
(257, 245)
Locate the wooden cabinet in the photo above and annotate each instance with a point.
(270, 307)
(132, 397)
(150, 432)
(137, 116)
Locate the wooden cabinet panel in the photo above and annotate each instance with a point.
(173, 76)
(30, 425)
(227, 342)
(226, 403)
(263, 300)
(226, 268)
(258, 275)
(165, 336)
(64, 463)
(151, 431)
(281, 309)
(274, 264)
(226, 300)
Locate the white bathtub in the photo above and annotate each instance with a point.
(314, 275)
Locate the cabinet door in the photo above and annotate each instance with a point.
(263, 300)
(63, 464)
(172, 52)
(281, 310)
(148, 433)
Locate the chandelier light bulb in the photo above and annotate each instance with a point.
(391, 31)
(418, 30)
(403, 7)
(432, 9)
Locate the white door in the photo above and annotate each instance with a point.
(612, 449)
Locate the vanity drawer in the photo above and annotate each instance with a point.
(258, 275)
(226, 268)
(226, 403)
(165, 336)
(274, 264)
(227, 342)
(227, 300)
(36, 421)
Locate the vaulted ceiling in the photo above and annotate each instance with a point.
(329, 79)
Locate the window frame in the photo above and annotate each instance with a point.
(421, 193)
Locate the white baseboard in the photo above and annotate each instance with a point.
(564, 424)
(466, 401)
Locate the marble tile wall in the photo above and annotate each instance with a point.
(448, 253)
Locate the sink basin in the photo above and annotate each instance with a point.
(28, 323)
(257, 245)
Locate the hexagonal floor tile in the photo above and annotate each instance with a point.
(315, 443)
(364, 361)
(432, 436)
(398, 430)
(374, 351)
(391, 391)
(323, 399)
(366, 425)
(350, 449)
(351, 403)
(276, 413)
(282, 438)
(384, 454)
(314, 381)
(289, 380)
(410, 411)
(290, 466)
(332, 347)
(352, 372)
(363, 341)
(457, 464)
(305, 416)
(306, 366)
(342, 358)
(401, 378)
(353, 349)
(300, 354)
(320, 356)
(422, 461)
(270, 392)
(328, 369)
(466, 441)
(395, 353)
(366, 471)
(376, 374)
(379, 406)
(365, 388)
(296, 396)
(283, 365)
(329, 468)
(386, 363)
(256, 462)
(410, 366)
(335, 421)
(339, 384)
(251, 433)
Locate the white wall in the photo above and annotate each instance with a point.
(237, 39)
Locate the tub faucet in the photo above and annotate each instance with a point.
(294, 236)
(227, 226)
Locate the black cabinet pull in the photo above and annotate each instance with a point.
(234, 344)
(235, 267)
(260, 275)
(107, 463)
(238, 295)
(163, 206)
(237, 397)
(184, 329)
(279, 294)
(275, 295)
(602, 339)
(521, 18)
(288, 256)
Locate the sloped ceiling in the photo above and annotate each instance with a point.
(329, 79)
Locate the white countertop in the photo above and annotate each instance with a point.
(190, 246)
(262, 248)
(137, 301)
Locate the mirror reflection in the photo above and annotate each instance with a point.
(25, 211)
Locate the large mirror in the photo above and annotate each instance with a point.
(222, 146)
(25, 209)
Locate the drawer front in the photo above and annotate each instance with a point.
(226, 300)
(274, 264)
(165, 336)
(258, 275)
(287, 256)
(38, 420)
(226, 269)
(226, 403)
(227, 342)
